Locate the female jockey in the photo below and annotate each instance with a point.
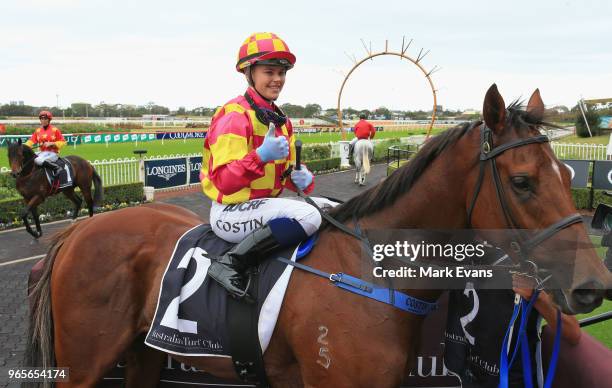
(50, 140)
(248, 148)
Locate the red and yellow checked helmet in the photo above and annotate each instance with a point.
(264, 48)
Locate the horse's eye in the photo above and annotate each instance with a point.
(521, 183)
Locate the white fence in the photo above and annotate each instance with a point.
(579, 151)
(127, 170)
(115, 121)
(118, 171)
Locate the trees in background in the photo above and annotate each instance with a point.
(312, 110)
(293, 110)
(383, 113)
(556, 114)
(593, 118)
(18, 110)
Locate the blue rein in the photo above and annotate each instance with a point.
(360, 287)
(504, 371)
(355, 285)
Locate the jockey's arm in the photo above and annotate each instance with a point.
(59, 140)
(32, 140)
(288, 182)
(237, 174)
(58, 144)
(234, 165)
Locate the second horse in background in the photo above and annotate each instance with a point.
(362, 154)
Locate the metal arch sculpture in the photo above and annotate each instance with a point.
(401, 55)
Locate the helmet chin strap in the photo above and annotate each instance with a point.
(249, 77)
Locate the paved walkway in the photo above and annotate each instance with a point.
(18, 254)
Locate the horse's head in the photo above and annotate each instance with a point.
(522, 186)
(19, 155)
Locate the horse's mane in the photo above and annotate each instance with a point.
(521, 120)
(401, 180)
(28, 153)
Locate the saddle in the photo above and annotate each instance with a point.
(64, 179)
(196, 317)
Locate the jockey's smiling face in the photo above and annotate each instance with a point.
(44, 120)
(268, 80)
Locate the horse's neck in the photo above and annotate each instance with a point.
(28, 162)
(436, 201)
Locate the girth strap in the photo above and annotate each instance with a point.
(245, 349)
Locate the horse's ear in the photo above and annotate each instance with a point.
(535, 106)
(494, 109)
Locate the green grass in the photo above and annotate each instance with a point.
(601, 139)
(601, 331)
(93, 152)
(124, 150)
(335, 136)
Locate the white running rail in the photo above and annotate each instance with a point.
(579, 151)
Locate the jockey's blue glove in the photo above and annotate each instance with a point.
(273, 148)
(301, 178)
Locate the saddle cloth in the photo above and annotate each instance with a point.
(65, 177)
(190, 318)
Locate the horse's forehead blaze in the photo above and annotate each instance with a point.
(549, 161)
(557, 170)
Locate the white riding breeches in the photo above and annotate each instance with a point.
(234, 222)
(42, 156)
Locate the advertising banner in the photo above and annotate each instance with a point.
(579, 171)
(180, 135)
(195, 164)
(116, 138)
(5, 140)
(165, 173)
(602, 175)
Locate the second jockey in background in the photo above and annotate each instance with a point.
(248, 148)
(50, 140)
(364, 130)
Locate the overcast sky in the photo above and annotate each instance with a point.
(182, 53)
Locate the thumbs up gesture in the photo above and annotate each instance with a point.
(273, 147)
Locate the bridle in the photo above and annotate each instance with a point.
(23, 166)
(520, 244)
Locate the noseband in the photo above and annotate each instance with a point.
(520, 244)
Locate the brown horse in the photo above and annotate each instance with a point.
(33, 186)
(102, 276)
